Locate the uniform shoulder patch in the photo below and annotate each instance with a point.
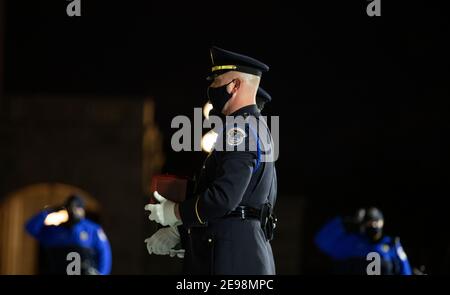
(235, 136)
(101, 235)
(84, 236)
(401, 253)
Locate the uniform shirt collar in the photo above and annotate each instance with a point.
(251, 109)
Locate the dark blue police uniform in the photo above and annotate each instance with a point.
(85, 237)
(229, 222)
(350, 250)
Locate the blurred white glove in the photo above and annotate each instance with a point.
(56, 218)
(163, 212)
(163, 241)
(179, 253)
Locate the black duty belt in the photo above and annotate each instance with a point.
(265, 216)
(245, 212)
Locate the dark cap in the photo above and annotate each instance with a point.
(263, 96)
(223, 61)
(74, 200)
(369, 214)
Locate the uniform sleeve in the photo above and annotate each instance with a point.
(103, 252)
(405, 268)
(35, 225)
(334, 241)
(225, 193)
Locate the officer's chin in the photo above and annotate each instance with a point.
(377, 237)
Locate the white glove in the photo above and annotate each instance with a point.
(163, 212)
(179, 253)
(56, 218)
(163, 241)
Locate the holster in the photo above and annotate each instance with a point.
(268, 221)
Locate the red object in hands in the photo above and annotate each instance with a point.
(171, 187)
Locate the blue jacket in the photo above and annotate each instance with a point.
(343, 246)
(85, 234)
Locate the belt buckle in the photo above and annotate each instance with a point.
(242, 213)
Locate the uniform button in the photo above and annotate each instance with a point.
(189, 231)
(209, 240)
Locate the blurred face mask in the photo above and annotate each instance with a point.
(76, 214)
(373, 230)
(218, 96)
(374, 233)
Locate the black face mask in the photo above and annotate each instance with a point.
(74, 218)
(219, 96)
(373, 233)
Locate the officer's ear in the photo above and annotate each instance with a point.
(237, 84)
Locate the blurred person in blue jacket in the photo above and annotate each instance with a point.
(348, 241)
(64, 229)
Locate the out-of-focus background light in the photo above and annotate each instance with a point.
(206, 109)
(208, 141)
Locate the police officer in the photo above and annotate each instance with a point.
(348, 241)
(262, 97)
(227, 225)
(64, 229)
